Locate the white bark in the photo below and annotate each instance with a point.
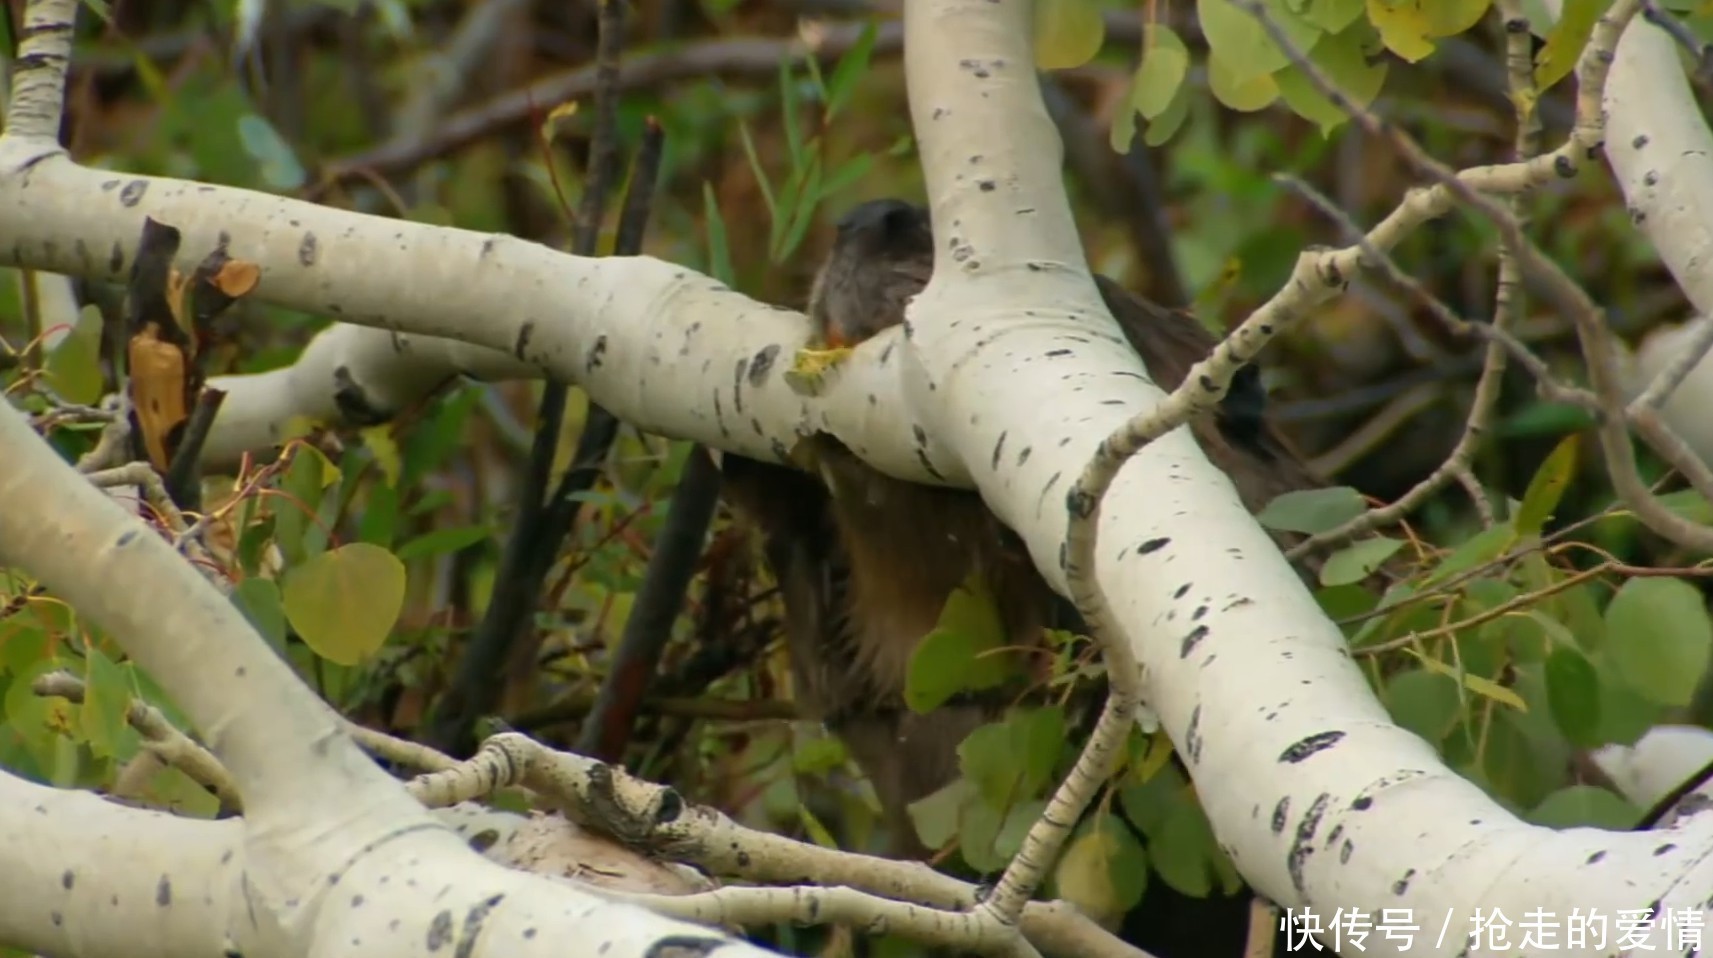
(335, 851)
(664, 348)
(1011, 376)
(1661, 153)
(1663, 759)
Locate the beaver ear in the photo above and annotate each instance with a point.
(906, 227)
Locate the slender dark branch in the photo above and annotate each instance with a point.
(184, 478)
(545, 521)
(658, 602)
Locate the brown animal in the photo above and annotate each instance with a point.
(866, 562)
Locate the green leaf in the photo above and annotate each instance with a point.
(1479, 684)
(1187, 855)
(788, 118)
(1558, 56)
(1157, 91)
(1012, 760)
(1357, 561)
(1238, 41)
(1659, 638)
(817, 832)
(988, 835)
(951, 658)
(106, 699)
(346, 601)
(276, 161)
(1409, 27)
(1343, 59)
(854, 169)
(1625, 714)
(1161, 128)
(1346, 601)
(818, 755)
(804, 199)
(1573, 695)
(1425, 702)
(180, 794)
(1688, 503)
(41, 723)
(946, 663)
(443, 541)
(259, 600)
(1149, 805)
(1585, 805)
(719, 255)
(851, 68)
(1547, 487)
(1241, 91)
(936, 817)
(761, 180)
(1104, 870)
(1165, 63)
(1068, 33)
(73, 366)
(1542, 418)
(1313, 511)
(304, 489)
(1479, 549)
(379, 521)
(1333, 15)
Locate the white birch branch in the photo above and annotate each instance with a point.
(1012, 376)
(1307, 782)
(337, 854)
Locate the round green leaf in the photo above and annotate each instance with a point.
(1343, 60)
(1240, 41)
(1573, 694)
(1585, 805)
(73, 364)
(344, 602)
(1427, 703)
(1357, 561)
(259, 600)
(1333, 15)
(1312, 510)
(1104, 870)
(1068, 33)
(1186, 854)
(1409, 27)
(1659, 637)
(936, 816)
(1243, 94)
(1165, 63)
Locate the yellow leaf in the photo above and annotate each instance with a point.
(1103, 870)
(1557, 57)
(380, 441)
(298, 427)
(1155, 758)
(1480, 685)
(344, 602)
(1409, 27)
(1245, 94)
(1068, 33)
(1165, 63)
